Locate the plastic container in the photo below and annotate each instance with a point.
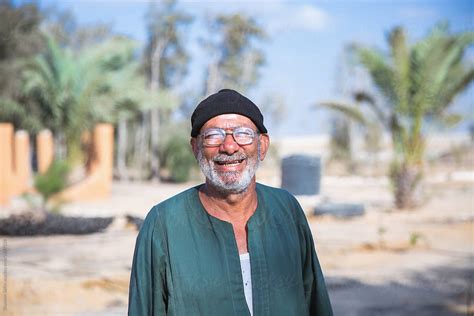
(301, 174)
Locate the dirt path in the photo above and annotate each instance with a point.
(383, 263)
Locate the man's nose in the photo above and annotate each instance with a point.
(229, 146)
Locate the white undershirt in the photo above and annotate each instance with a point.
(247, 279)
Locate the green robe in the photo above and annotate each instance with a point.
(186, 261)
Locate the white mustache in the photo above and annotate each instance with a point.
(226, 158)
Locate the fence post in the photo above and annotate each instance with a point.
(21, 162)
(6, 172)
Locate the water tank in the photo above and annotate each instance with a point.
(301, 174)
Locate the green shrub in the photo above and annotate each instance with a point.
(179, 159)
(414, 238)
(53, 180)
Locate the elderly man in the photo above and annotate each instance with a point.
(230, 246)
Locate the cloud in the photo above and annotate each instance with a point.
(304, 17)
(309, 18)
(275, 16)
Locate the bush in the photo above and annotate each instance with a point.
(178, 158)
(53, 180)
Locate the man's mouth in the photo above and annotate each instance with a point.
(229, 163)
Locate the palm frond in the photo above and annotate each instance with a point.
(361, 96)
(436, 71)
(347, 110)
(453, 87)
(18, 114)
(401, 67)
(380, 71)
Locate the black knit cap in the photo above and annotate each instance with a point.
(225, 101)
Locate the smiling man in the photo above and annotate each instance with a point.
(230, 246)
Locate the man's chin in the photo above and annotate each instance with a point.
(226, 185)
(227, 182)
(230, 178)
(232, 189)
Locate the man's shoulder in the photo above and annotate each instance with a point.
(281, 201)
(275, 193)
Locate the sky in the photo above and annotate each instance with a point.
(303, 48)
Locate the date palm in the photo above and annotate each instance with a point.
(70, 92)
(419, 83)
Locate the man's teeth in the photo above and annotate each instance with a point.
(230, 163)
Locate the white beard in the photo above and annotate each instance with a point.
(232, 181)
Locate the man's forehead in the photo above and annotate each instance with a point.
(229, 120)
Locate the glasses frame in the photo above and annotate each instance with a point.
(226, 132)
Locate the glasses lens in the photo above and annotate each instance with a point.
(216, 136)
(243, 135)
(213, 137)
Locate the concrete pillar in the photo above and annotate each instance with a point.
(98, 182)
(21, 162)
(44, 150)
(103, 142)
(6, 170)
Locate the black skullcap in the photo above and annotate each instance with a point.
(225, 101)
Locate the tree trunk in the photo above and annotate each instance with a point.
(213, 76)
(154, 143)
(146, 148)
(155, 70)
(407, 186)
(60, 146)
(142, 148)
(154, 113)
(122, 137)
(248, 71)
(139, 150)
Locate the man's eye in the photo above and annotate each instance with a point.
(212, 135)
(244, 133)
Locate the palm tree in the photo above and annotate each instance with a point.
(418, 83)
(72, 92)
(236, 59)
(49, 83)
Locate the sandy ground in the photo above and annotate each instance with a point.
(386, 262)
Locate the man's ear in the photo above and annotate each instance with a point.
(194, 146)
(264, 144)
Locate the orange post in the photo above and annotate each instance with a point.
(6, 170)
(22, 168)
(98, 182)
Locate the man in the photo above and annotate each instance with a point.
(230, 246)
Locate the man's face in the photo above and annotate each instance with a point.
(230, 167)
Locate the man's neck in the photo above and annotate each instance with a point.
(235, 208)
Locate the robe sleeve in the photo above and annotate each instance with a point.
(147, 293)
(316, 294)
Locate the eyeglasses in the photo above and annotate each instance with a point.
(215, 136)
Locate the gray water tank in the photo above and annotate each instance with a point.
(301, 174)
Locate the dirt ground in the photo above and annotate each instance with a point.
(386, 262)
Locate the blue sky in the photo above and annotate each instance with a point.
(304, 46)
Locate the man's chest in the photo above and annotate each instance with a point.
(240, 234)
(204, 266)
